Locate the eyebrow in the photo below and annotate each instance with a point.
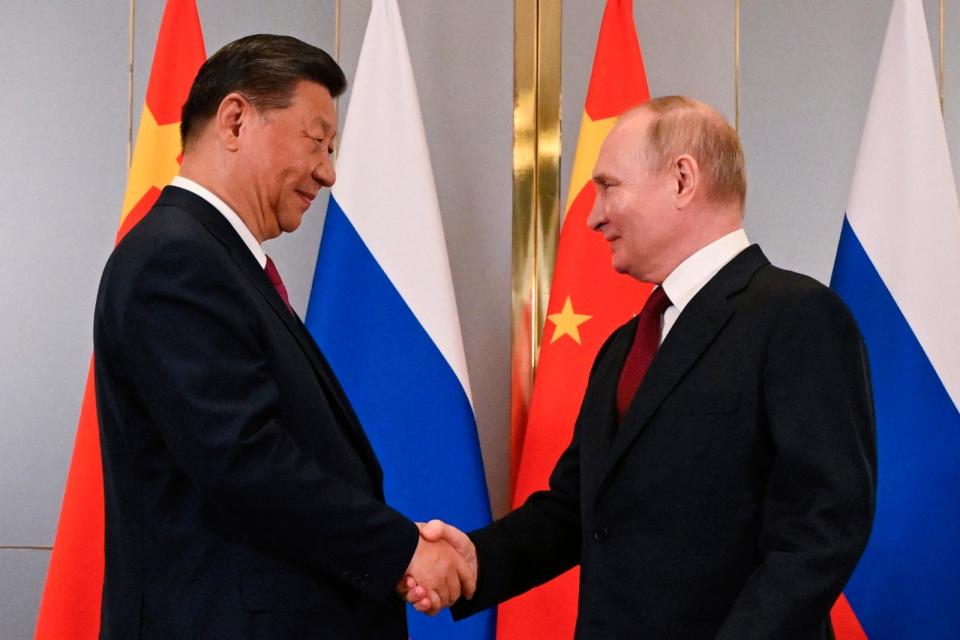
(601, 177)
(327, 131)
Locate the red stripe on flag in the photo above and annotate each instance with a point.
(618, 80)
(178, 56)
(70, 607)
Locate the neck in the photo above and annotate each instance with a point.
(705, 226)
(213, 175)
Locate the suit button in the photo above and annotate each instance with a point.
(601, 534)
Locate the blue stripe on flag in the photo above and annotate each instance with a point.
(410, 402)
(906, 584)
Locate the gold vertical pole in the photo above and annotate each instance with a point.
(736, 64)
(524, 206)
(550, 30)
(131, 31)
(536, 193)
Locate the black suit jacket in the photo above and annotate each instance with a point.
(736, 497)
(243, 499)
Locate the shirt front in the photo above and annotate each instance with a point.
(692, 274)
(231, 216)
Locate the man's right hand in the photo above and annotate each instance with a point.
(438, 573)
(418, 594)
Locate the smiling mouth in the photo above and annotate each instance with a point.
(306, 197)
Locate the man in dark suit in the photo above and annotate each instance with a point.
(721, 478)
(243, 499)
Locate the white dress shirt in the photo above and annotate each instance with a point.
(692, 274)
(226, 212)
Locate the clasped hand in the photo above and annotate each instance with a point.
(444, 567)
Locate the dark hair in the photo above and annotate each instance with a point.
(263, 68)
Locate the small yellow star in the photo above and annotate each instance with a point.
(567, 322)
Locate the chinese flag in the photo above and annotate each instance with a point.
(70, 607)
(588, 300)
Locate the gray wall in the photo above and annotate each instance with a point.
(807, 71)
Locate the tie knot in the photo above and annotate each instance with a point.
(274, 277)
(272, 272)
(657, 303)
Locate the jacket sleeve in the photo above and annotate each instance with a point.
(819, 500)
(539, 540)
(191, 353)
(531, 545)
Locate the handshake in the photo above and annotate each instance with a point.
(444, 567)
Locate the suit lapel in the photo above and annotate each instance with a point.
(696, 328)
(217, 225)
(334, 392)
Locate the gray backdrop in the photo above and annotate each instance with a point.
(807, 71)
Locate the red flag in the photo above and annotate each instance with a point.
(846, 626)
(588, 300)
(70, 607)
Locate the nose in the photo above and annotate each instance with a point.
(597, 218)
(324, 172)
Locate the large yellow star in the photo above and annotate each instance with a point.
(592, 135)
(154, 159)
(567, 322)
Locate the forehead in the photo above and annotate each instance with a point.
(623, 147)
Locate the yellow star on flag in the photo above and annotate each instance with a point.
(567, 322)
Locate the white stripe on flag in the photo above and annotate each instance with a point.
(385, 140)
(903, 202)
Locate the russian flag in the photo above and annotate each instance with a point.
(898, 268)
(382, 306)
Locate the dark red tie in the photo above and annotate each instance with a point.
(645, 344)
(277, 283)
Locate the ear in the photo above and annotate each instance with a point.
(686, 179)
(232, 116)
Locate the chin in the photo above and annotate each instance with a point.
(291, 224)
(619, 265)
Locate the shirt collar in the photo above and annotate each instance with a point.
(226, 212)
(692, 274)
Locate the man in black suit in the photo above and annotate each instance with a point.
(242, 497)
(721, 478)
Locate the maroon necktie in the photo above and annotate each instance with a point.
(645, 344)
(277, 283)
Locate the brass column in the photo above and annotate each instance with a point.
(536, 193)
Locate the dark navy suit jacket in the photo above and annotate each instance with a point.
(243, 499)
(736, 497)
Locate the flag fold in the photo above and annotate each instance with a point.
(382, 305)
(898, 268)
(588, 300)
(70, 606)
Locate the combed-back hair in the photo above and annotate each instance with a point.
(684, 125)
(263, 68)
